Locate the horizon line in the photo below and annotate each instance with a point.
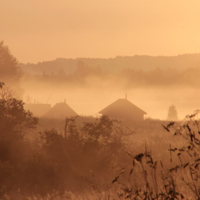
(77, 58)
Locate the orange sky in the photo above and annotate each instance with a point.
(44, 30)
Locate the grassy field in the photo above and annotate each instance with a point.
(151, 163)
(88, 158)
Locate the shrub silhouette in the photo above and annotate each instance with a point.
(179, 180)
(78, 152)
(14, 122)
(172, 113)
(9, 70)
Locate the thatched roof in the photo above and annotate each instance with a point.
(60, 110)
(122, 108)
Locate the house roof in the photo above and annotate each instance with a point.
(122, 105)
(60, 110)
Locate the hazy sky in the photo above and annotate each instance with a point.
(44, 30)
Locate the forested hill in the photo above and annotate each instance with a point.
(143, 62)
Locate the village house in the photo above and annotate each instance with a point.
(122, 109)
(61, 111)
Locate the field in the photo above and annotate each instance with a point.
(104, 159)
(96, 158)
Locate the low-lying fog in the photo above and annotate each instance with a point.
(154, 101)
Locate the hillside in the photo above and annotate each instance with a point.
(143, 62)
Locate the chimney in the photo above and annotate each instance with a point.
(64, 100)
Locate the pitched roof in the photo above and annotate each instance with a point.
(60, 110)
(122, 105)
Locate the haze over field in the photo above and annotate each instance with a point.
(41, 31)
(155, 101)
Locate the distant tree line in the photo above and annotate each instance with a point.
(111, 65)
(85, 75)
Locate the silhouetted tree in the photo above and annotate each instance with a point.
(14, 124)
(10, 73)
(1, 84)
(172, 113)
(82, 69)
(14, 119)
(61, 73)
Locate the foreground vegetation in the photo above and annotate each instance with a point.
(96, 158)
(77, 159)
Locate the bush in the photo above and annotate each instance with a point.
(79, 154)
(150, 179)
(14, 122)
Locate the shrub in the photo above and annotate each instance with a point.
(179, 180)
(81, 153)
(14, 122)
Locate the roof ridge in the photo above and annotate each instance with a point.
(115, 104)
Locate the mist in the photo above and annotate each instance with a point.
(89, 102)
(99, 99)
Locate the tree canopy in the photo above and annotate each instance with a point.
(14, 119)
(172, 113)
(10, 73)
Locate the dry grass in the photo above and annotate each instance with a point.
(164, 164)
